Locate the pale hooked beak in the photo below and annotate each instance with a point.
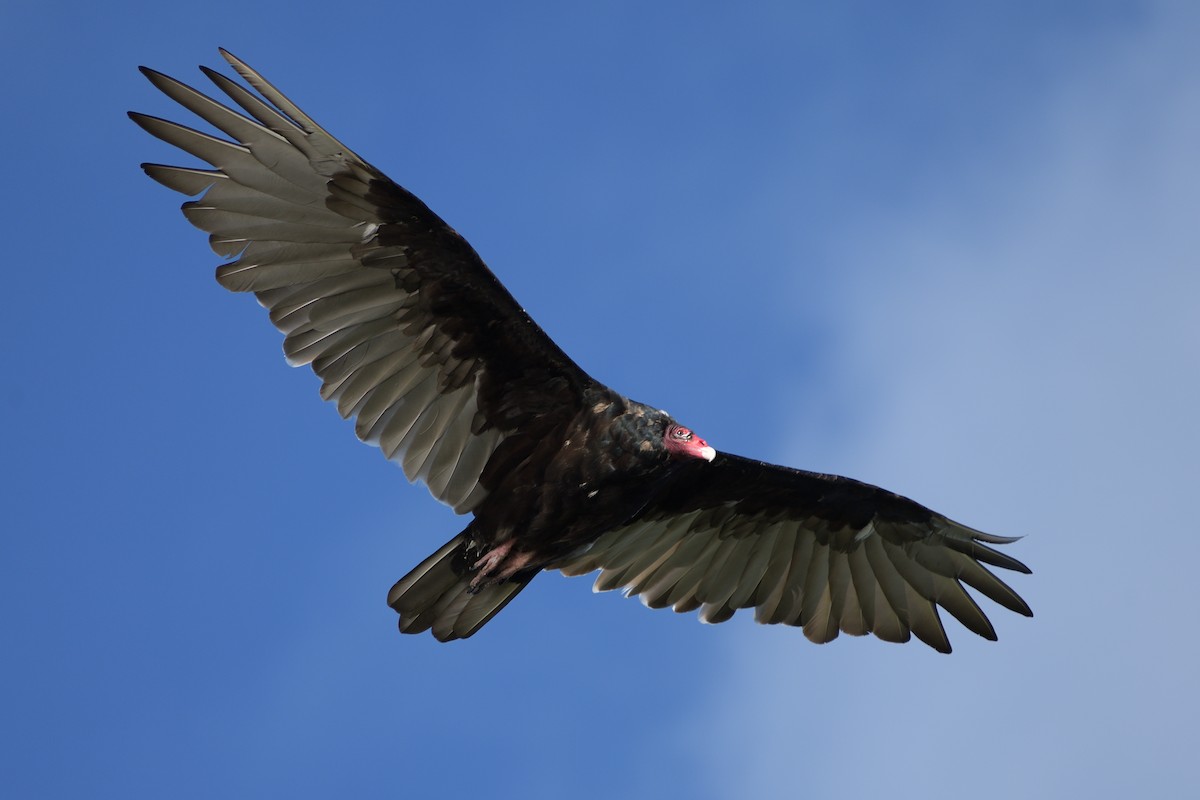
(708, 453)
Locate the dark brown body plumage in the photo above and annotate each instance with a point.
(566, 489)
(416, 340)
(547, 499)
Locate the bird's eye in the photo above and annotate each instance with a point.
(682, 433)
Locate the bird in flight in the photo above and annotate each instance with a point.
(414, 338)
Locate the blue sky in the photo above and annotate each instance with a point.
(950, 250)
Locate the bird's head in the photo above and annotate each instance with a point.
(682, 443)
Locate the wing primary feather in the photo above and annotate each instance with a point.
(276, 97)
(912, 562)
(980, 579)
(233, 159)
(186, 180)
(925, 622)
(985, 554)
(272, 150)
(920, 595)
(270, 117)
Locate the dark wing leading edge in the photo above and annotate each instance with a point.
(409, 331)
(827, 553)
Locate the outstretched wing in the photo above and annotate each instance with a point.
(827, 553)
(409, 331)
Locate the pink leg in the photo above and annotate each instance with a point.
(491, 559)
(498, 564)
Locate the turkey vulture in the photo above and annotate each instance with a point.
(417, 340)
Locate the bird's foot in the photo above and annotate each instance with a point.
(486, 565)
(498, 565)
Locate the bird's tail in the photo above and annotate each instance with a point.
(437, 594)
